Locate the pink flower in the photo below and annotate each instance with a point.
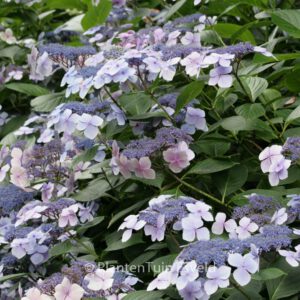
(130, 223)
(157, 232)
(217, 277)
(278, 170)
(245, 265)
(19, 177)
(8, 36)
(172, 38)
(100, 279)
(268, 155)
(47, 190)
(162, 281)
(35, 294)
(124, 165)
(142, 168)
(280, 216)
(201, 210)
(190, 38)
(68, 291)
(68, 216)
(67, 122)
(291, 257)
(245, 228)
(178, 157)
(220, 224)
(89, 124)
(192, 228)
(187, 274)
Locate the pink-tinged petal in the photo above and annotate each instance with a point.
(181, 282)
(217, 228)
(225, 81)
(174, 168)
(220, 217)
(264, 154)
(160, 221)
(189, 235)
(244, 222)
(126, 235)
(223, 283)
(273, 179)
(203, 234)
(250, 264)
(139, 225)
(292, 261)
(18, 252)
(242, 233)
(230, 225)
(145, 162)
(190, 154)
(91, 132)
(252, 227)
(210, 286)
(241, 276)
(96, 121)
(62, 222)
(149, 174)
(283, 174)
(224, 272)
(213, 81)
(235, 259)
(265, 165)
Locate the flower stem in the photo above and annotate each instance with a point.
(198, 190)
(240, 290)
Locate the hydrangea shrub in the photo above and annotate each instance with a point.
(149, 150)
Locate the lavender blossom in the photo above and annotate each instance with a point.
(12, 198)
(291, 148)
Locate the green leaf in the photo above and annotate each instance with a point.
(94, 222)
(189, 92)
(96, 15)
(12, 125)
(174, 8)
(118, 245)
(61, 248)
(232, 180)
(65, 4)
(125, 212)
(27, 88)
(234, 124)
(284, 286)
(136, 103)
(295, 114)
(254, 86)
(11, 52)
(267, 274)
(144, 295)
(212, 146)
(12, 277)
(157, 182)
(292, 80)
(47, 103)
(259, 58)
(250, 111)
(143, 258)
(288, 20)
(85, 156)
(227, 30)
(162, 263)
(95, 189)
(211, 165)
